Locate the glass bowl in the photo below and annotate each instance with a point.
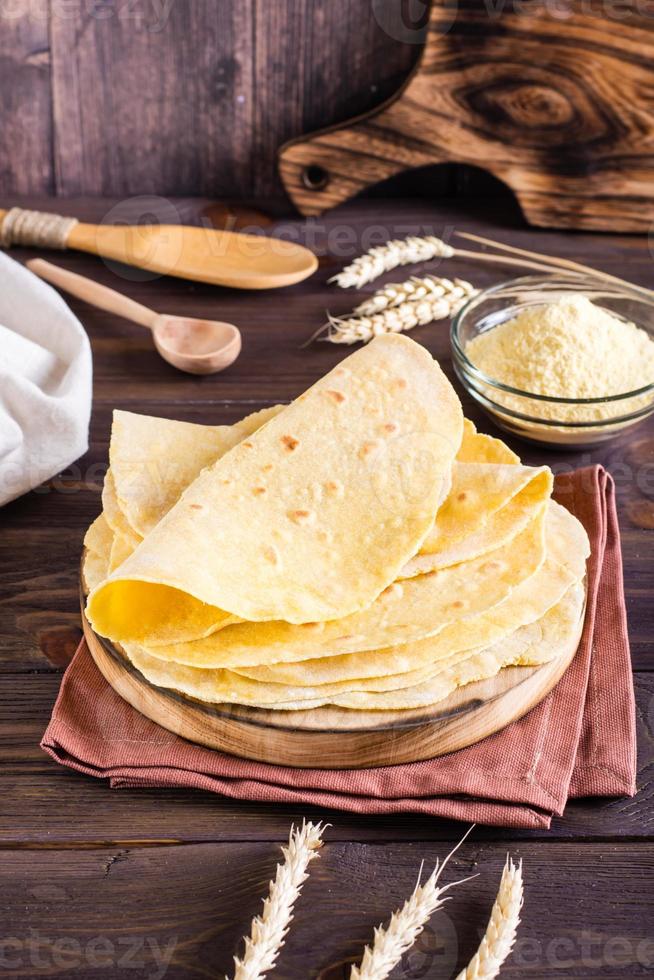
(541, 419)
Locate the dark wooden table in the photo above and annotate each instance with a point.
(95, 883)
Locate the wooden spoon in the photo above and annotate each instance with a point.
(196, 346)
(223, 258)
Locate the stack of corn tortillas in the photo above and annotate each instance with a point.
(362, 547)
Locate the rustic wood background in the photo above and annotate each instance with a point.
(123, 97)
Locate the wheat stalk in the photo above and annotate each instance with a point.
(501, 931)
(399, 319)
(576, 267)
(404, 251)
(405, 925)
(266, 938)
(396, 293)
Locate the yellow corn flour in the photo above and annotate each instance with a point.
(567, 349)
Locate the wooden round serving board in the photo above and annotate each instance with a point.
(331, 737)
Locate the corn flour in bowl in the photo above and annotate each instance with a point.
(560, 360)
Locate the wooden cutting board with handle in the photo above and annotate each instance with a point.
(556, 99)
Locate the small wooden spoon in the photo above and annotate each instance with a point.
(195, 346)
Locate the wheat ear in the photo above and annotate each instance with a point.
(398, 319)
(383, 258)
(373, 263)
(266, 938)
(405, 925)
(501, 931)
(426, 287)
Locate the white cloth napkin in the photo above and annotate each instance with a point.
(45, 382)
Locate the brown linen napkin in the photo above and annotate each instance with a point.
(579, 741)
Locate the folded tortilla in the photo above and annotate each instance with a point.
(477, 447)
(307, 520)
(98, 542)
(154, 460)
(502, 499)
(114, 514)
(99, 536)
(405, 611)
(489, 504)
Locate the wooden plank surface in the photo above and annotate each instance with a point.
(130, 911)
(25, 116)
(141, 98)
(318, 62)
(174, 104)
(60, 832)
